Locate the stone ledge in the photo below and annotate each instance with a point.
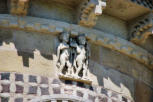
(56, 27)
(75, 79)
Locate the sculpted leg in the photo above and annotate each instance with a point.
(78, 70)
(69, 71)
(85, 72)
(62, 66)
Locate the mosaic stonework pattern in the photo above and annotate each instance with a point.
(15, 87)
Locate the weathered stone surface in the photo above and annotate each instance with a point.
(5, 88)
(18, 100)
(33, 79)
(79, 93)
(143, 93)
(5, 76)
(28, 46)
(4, 99)
(44, 80)
(44, 91)
(18, 77)
(19, 89)
(92, 98)
(57, 90)
(33, 90)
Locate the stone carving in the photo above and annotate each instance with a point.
(73, 55)
(19, 7)
(63, 54)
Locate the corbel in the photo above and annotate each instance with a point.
(90, 10)
(19, 7)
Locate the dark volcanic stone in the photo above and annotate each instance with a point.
(4, 99)
(5, 88)
(19, 89)
(5, 76)
(18, 77)
(18, 100)
(33, 90)
(44, 91)
(32, 79)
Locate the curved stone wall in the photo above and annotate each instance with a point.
(120, 70)
(98, 37)
(38, 54)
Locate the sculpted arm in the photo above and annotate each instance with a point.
(58, 52)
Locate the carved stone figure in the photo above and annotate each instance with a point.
(63, 54)
(73, 55)
(81, 61)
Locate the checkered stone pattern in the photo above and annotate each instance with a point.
(145, 3)
(16, 87)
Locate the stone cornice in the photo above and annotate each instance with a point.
(100, 38)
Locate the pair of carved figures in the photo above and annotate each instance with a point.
(73, 55)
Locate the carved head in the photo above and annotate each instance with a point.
(64, 37)
(81, 39)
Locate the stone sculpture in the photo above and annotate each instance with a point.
(63, 54)
(73, 55)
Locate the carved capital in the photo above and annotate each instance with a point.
(19, 7)
(141, 29)
(90, 10)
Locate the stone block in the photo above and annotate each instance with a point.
(57, 90)
(5, 76)
(79, 93)
(56, 81)
(19, 89)
(44, 91)
(92, 98)
(18, 77)
(4, 99)
(68, 91)
(33, 79)
(18, 100)
(33, 90)
(44, 80)
(5, 88)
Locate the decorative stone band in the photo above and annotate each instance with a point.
(94, 36)
(141, 29)
(15, 87)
